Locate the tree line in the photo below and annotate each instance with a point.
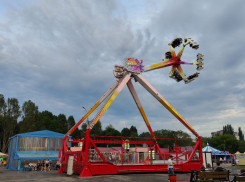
(15, 119)
(226, 141)
(133, 132)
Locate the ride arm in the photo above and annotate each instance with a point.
(113, 87)
(123, 82)
(158, 96)
(142, 112)
(165, 63)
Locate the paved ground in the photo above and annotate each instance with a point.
(28, 176)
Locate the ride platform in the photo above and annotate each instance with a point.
(108, 155)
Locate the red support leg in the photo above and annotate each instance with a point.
(85, 150)
(200, 148)
(85, 172)
(60, 170)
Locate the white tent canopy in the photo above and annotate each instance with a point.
(2, 154)
(210, 149)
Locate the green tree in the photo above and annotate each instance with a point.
(71, 123)
(13, 112)
(240, 134)
(13, 108)
(145, 134)
(111, 131)
(9, 113)
(172, 134)
(225, 142)
(228, 129)
(205, 140)
(97, 129)
(125, 132)
(30, 116)
(133, 131)
(8, 127)
(83, 129)
(1, 131)
(241, 146)
(62, 123)
(47, 121)
(3, 105)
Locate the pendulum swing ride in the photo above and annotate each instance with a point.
(135, 154)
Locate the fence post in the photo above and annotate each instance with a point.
(122, 149)
(150, 151)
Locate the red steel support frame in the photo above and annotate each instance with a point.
(87, 168)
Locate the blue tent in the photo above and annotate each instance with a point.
(33, 146)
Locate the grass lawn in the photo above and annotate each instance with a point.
(236, 167)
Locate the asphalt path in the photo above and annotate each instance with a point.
(39, 176)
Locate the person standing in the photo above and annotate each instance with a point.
(220, 160)
(119, 158)
(237, 162)
(44, 165)
(133, 159)
(39, 165)
(113, 156)
(125, 157)
(170, 165)
(47, 165)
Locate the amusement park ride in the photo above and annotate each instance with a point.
(89, 160)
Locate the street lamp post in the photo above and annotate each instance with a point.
(87, 117)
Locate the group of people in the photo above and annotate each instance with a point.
(114, 157)
(44, 165)
(3, 162)
(235, 161)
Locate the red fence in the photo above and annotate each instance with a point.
(112, 154)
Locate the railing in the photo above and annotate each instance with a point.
(140, 158)
(141, 151)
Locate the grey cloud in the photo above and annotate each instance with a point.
(64, 52)
(61, 55)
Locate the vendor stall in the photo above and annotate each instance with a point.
(240, 158)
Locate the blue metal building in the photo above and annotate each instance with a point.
(32, 146)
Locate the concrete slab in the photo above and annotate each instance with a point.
(39, 176)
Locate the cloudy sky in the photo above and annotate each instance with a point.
(61, 54)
